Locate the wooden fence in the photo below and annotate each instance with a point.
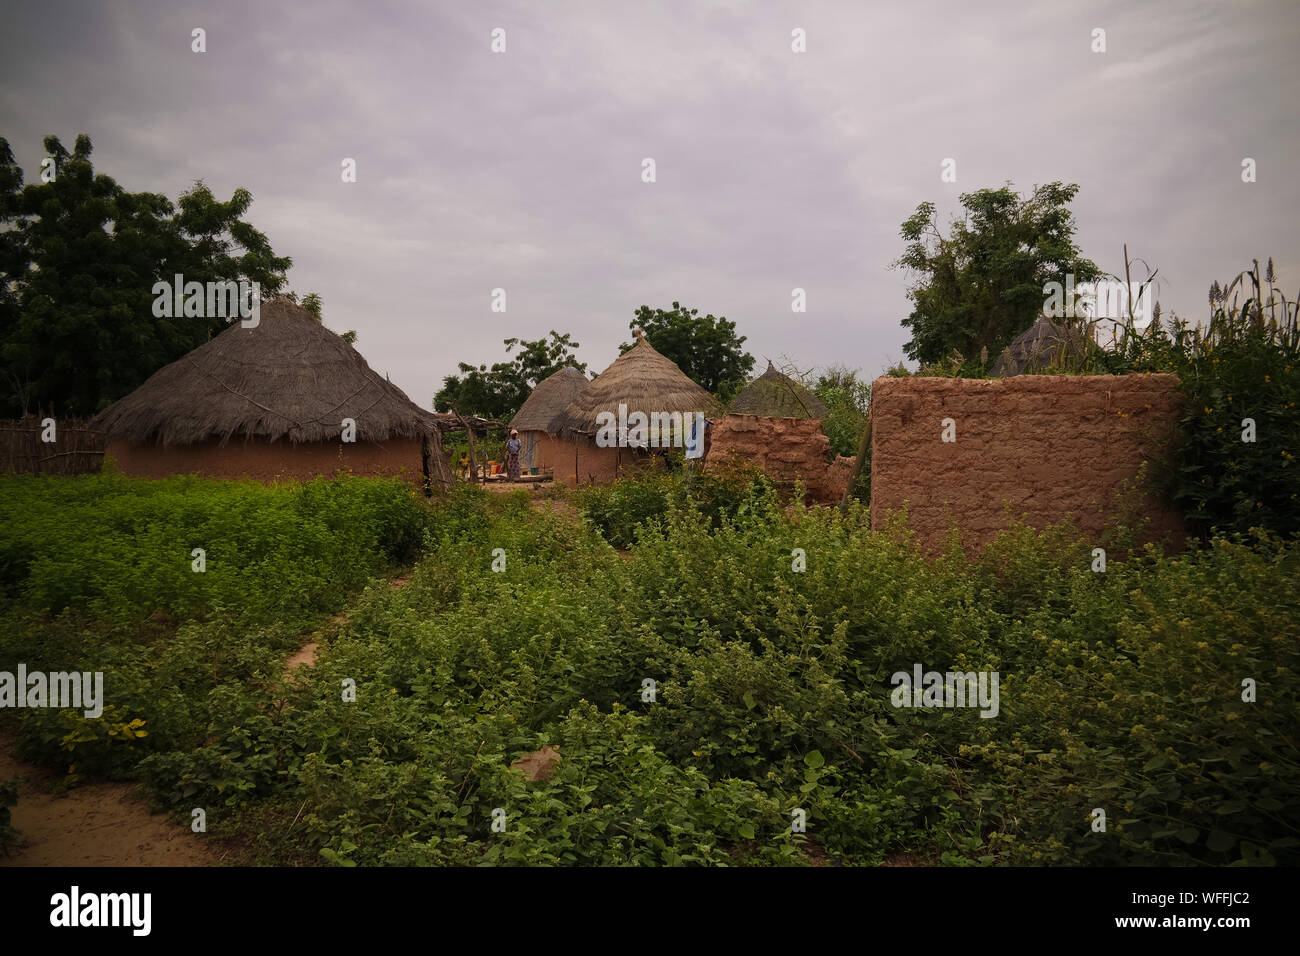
(76, 450)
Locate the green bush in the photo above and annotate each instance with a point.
(1245, 364)
(770, 633)
(620, 509)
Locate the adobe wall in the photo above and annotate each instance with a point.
(1047, 446)
(786, 449)
(267, 461)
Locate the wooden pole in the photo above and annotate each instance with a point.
(864, 447)
(469, 435)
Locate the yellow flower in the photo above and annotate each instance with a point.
(1267, 379)
(1208, 410)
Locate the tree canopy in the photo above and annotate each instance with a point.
(982, 285)
(499, 391)
(706, 348)
(79, 256)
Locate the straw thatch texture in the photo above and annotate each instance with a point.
(774, 395)
(641, 379)
(287, 379)
(1033, 349)
(548, 401)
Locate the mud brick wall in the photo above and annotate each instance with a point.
(786, 449)
(269, 461)
(1046, 446)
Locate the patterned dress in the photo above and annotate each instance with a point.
(512, 459)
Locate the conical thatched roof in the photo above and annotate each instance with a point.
(641, 379)
(288, 378)
(548, 400)
(774, 395)
(1032, 349)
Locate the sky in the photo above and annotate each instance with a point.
(522, 170)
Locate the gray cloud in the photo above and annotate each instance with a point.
(775, 170)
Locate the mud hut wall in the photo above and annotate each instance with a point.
(785, 449)
(1047, 447)
(268, 461)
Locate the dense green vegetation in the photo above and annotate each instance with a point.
(1120, 690)
(980, 286)
(97, 573)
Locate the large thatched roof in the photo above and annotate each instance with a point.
(774, 395)
(641, 379)
(548, 400)
(1032, 349)
(287, 379)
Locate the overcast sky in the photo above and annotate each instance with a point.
(775, 169)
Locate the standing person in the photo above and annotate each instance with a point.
(512, 456)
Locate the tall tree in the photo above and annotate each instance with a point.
(499, 391)
(83, 332)
(15, 261)
(706, 347)
(982, 285)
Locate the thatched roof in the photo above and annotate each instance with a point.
(1032, 349)
(641, 379)
(548, 400)
(287, 379)
(774, 395)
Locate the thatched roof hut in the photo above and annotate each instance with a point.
(774, 395)
(540, 413)
(287, 383)
(287, 379)
(641, 379)
(1032, 349)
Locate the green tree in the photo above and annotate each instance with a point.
(499, 391)
(15, 261)
(846, 399)
(78, 264)
(706, 347)
(982, 285)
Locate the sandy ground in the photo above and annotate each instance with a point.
(95, 824)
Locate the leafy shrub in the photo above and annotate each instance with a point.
(1120, 690)
(1244, 364)
(620, 508)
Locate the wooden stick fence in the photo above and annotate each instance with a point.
(76, 450)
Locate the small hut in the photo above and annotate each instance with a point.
(639, 380)
(1033, 349)
(286, 398)
(776, 424)
(537, 421)
(774, 395)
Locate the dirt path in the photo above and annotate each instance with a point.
(306, 655)
(98, 824)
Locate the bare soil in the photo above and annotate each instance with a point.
(95, 824)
